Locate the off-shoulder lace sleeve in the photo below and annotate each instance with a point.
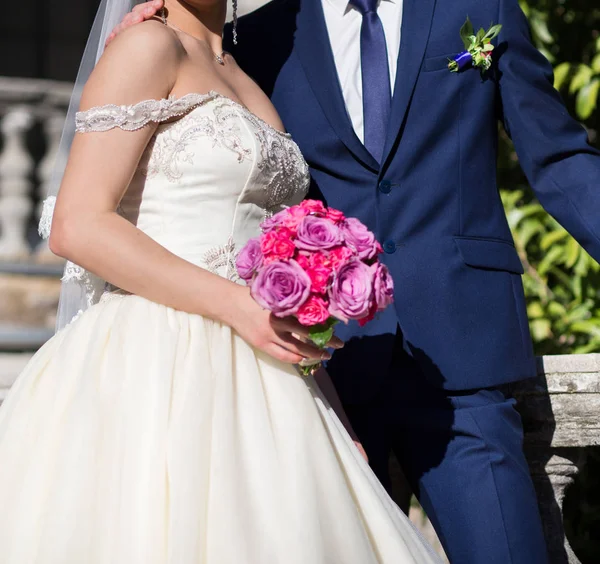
(136, 116)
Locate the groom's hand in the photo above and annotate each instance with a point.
(140, 13)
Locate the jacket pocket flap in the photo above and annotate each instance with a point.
(488, 253)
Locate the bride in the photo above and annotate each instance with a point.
(166, 424)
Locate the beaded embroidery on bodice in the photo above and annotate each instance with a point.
(210, 175)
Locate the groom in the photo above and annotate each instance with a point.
(397, 140)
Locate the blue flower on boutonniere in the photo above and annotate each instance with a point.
(478, 48)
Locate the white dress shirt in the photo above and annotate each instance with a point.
(343, 24)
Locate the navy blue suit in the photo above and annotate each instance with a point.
(431, 377)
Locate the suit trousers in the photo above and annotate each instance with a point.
(462, 454)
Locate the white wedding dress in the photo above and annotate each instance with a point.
(144, 435)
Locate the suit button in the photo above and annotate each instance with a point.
(389, 247)
(385, 186)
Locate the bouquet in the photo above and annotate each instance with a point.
(313, 263)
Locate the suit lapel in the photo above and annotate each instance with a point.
(314, 51)
(417, 17)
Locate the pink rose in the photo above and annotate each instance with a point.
(351, 295)
(283, 248)
(360, 238)
(320, 259)
(294, 217)
(277, 244)
(313, 312)
(317, 234)
(249, 259)
(304, 260)
(335, 215)
(319, 278)
(281, 287)
(339, 256)
(383, 286)
(267, 242)
(313, 206)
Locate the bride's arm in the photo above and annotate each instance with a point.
(141, 64)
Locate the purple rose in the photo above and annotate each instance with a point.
(274, 221)
(281, 287)
(351, 296)
(383, 286)
(249, 259)
(359, 238)
(318, 234)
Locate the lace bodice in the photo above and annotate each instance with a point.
(210, 174)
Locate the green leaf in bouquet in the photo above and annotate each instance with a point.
(466, 31)
(493, 31)
(320, 335)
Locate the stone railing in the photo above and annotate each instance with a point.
(561, 416)
(32, 114)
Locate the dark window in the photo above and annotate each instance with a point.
(45, 38)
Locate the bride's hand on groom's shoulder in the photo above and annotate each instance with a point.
(282, 338)
(140, 13)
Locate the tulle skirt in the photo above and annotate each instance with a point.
(144, 435)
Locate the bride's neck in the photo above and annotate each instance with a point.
(203, 19)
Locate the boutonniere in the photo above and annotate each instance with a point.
(478, 48)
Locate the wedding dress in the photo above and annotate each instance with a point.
(144, 435)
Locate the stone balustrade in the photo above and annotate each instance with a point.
(561, 415)
(32, 113)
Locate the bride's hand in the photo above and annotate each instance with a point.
(281, 338)
(361, 449)
(140, 13)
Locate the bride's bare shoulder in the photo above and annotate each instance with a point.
(147, 37)
(141, 63)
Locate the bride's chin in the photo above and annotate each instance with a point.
(204, 5)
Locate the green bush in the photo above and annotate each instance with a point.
(561, 279)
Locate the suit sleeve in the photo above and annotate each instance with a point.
(561, 166)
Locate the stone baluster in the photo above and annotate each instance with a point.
(15, 185)
(561, 417)
(53, 127)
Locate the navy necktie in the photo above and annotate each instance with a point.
(377, 95)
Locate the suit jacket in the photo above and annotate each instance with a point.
(433, 201)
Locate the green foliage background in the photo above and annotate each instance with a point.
(562, 282)
(561, 279)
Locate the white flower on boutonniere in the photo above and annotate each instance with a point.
(478, 48)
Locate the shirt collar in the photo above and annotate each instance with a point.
(342, 6)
